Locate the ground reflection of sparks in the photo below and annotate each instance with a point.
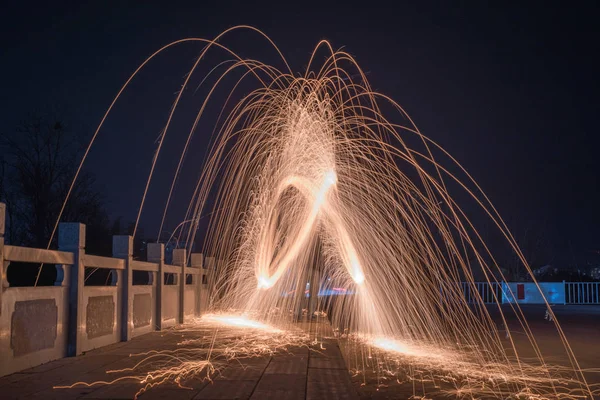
(208, 344)
(237, 321)
(397, 346)
(456, 372)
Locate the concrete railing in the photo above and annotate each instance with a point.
(44, 323)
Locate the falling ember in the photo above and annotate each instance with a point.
(314, 188)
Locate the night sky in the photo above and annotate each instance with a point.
(511, 92)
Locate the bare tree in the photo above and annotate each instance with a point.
(534, 244)
(40, 160)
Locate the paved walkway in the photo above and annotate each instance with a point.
(296, 374)
(581, 325)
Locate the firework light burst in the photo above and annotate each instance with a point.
(321, 190)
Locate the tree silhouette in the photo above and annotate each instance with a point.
(40, 158)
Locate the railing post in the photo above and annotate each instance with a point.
(71, 237)
(3, 281)
(179, 259)
(5, 317)
(196, 262)
(209, 263)
(123, 248)
(156, 254)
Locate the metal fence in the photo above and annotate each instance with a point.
(530, 293)
(486, 292)
(582, 292)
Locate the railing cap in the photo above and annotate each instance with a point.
(2, 218)
(179, 257)
(196, 260)
(155, 252)
(71, 236)
(122, 246)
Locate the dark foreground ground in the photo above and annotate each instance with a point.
(297, 373)
(581, 324)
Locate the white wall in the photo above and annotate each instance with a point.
(554, 292)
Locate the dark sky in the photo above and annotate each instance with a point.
(510, 90)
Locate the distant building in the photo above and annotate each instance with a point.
(545, 271)
(595, 273)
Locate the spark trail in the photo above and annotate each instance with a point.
(318, 179)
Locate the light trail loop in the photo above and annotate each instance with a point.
(318, 197)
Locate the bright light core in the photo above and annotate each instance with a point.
(239, 321)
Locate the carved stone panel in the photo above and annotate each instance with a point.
(170, 300)
(33, 326)
(142, 309)
(100, 316)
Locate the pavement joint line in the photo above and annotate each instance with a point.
(307, 366)
(260, 378)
